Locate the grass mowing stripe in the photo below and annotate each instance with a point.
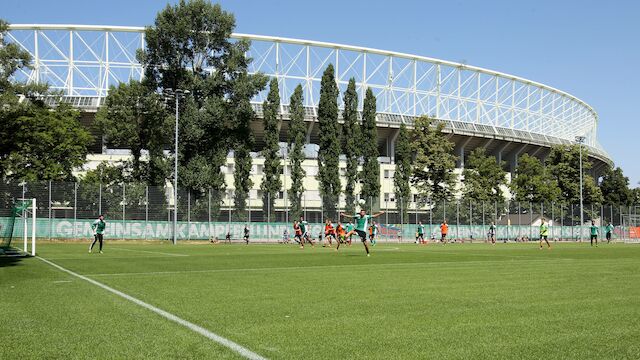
(285, 268)
(148, 252)
(198, 329)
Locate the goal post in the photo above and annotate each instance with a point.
(21, 220)
(29, 212)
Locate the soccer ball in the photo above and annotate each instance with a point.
(362, 202)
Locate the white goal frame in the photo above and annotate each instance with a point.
(29, 212)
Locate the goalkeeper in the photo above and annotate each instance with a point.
(98, 231)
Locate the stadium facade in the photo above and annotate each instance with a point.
(506, 114)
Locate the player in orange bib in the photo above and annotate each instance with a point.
(341, 233)
(444, 229)
(329, 232)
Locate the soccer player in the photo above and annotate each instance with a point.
(444, 229)
(594, 233)
(544, 233)
(246, 234)
(361, 225)
(373, 232)
(98, 232)
(420, 234)
(492, 233)
(349, 230)
(297, 234)
(285, 236)
(329, 232)
(341, 233)
(609, 230)
(305, 234)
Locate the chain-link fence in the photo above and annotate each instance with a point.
(138, 211)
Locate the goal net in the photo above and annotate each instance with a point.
(19, 225)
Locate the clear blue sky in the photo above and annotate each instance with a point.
(587, 48)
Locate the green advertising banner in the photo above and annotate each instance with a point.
(162, 230)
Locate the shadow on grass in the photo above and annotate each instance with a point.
(10, 257)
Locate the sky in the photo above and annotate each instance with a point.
(587, 48)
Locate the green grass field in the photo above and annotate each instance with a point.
(468, 301)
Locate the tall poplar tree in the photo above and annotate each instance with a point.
(351, 143)
(370, 168)
(484, 178)
(297, 132)
(329, 152)
(402, 174)
(271, 182)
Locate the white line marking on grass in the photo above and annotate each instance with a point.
(191, 326)
(148, 252)
(62, 281)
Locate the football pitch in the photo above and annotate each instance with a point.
(406, 301)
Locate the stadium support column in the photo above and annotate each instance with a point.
(309, 130)
(459, 151)
(391, 145)
(500, 151)
(513, 158)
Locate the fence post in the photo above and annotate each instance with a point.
(458, 220)
(75, 208)
(268, 216)
(430, 217)
(519, 221)
(50, 224)
(530, 221)
(146, 209)
(561, 221)
(470, 221)
(100, 199)
(124, 201)
(484, 233)
(188, 213)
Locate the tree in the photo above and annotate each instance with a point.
(12, 59)
(402, 174)
(132, 117)
(563, 164)
(615, 187)
(533, 182)
(48, 144)
(297, 132)
(189, 48)
(370, 176)
(36, 142)
(484, 178)
(271, 182)
(432, 172)
(351, 143)
(329, 152)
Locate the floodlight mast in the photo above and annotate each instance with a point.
(580, 140)
(176, 94)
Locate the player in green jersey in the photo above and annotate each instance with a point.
(362, 221)
(304, 229)
(420, 234)
(594, 232)
(98, 232)
(544, 233)
(609, 230)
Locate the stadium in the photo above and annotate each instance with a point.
(506, 114)
(450, 299)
